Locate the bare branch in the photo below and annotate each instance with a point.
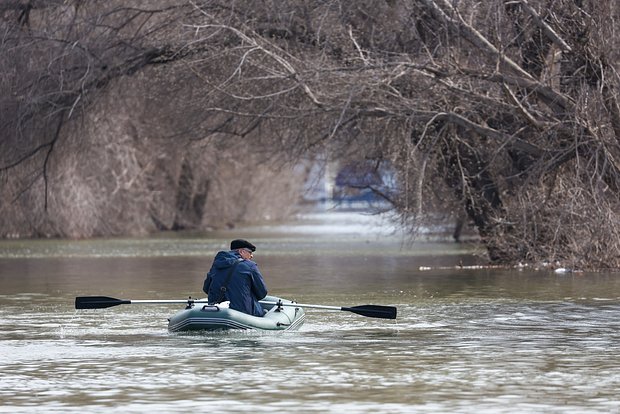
(555, 38)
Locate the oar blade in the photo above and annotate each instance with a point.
(98, 302)
(374, 311)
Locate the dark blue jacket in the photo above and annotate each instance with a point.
(245, 287)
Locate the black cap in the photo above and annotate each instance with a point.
(241, 244)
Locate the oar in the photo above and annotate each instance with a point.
(372, 311)
(100, 302)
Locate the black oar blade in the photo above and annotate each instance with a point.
(374, 311)
(98, 302)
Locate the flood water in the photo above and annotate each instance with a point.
(485, 341)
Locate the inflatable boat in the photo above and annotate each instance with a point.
(199, 315)
(281, 315)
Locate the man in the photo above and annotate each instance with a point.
(235, 277)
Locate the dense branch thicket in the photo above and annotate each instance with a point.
(505, 111)
(102, 132)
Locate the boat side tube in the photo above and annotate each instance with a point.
(218, 317)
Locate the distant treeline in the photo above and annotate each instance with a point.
(129, 117)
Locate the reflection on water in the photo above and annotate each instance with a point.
(464, 341)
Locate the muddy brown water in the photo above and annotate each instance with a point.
(477, 340)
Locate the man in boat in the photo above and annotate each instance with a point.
(236, 278)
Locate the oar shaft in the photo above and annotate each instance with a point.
(301, 305)
(157, 301)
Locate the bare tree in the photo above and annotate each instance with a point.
(102, 131)
(505, 110)
(512, 106)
